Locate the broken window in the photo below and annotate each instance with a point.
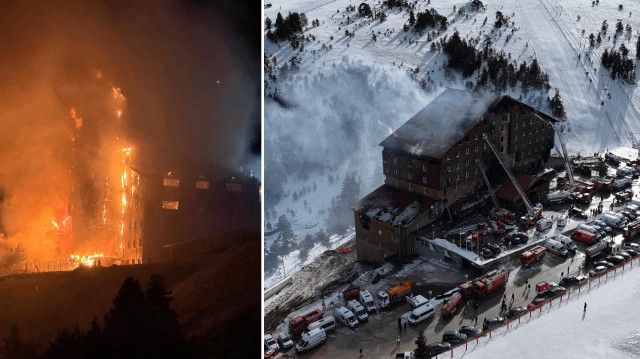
(170, 204)
(171, 182)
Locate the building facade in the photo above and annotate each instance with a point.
(434, 157)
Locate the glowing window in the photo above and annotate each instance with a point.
(170, 204)
(171, 182)
(202, 184)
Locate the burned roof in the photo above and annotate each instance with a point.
(442, 123)
(445, 121)
(397, 207)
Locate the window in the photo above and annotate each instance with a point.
(457, 178)
(501, 139)
(170, 205)
(379, 232)
(448, 168)
(395, 172)
(409, 175)
(201, 184)
(477, 160)
(448, 158)
(457, 153)
(466, 150)
(476, 137)
(501, 128)
(476, 148)
(448, 180)
(409, 165)
(466, 174)
(501, 148)
(484, 146)
(410, 187)
(516, 125)
(424, 179)
(457, 166)
(171, 182)
(395, 160)
(424, 168)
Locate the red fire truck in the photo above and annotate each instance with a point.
(534, 254)
(298, 324)
(449, 308)
(487, 284)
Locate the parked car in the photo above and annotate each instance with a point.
(605, 264)
(452, 337)
(597, 271)
(573, 280)
(576, 212)
(270, 353)
(284, 341)
(615, 259)
(602, 225)
(438, 348)
(492, 322)
(553, 293)
(634, 246)
(536, 303)
(470, 331)
(629, 214)
(514, 312)
(632, 252)
(269, 343)
(515, 240)
(494, 248)
(624, 255)
(486, 252)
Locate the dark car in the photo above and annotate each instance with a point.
(615, 259)
(514, 312)
(597, 271)
(438, 348)
(486, 253)
(470, 331)
(628, 214)
(492, 322)
(632, 252)
(629, 245)
(554, 292)
(573, 280)
(603, 264)
(523, 237)
(494, 248)
(576, 212)
(624, 255)
(453, 337)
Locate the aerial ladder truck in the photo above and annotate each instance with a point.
(533, 213)
(497, 213)
(563, 155)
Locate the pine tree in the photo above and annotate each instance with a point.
(592, 40)
(638, 48)
(267, 23)
(412, 18)
(421, 351)
(557, 108)
(13, 347)
(619, 26)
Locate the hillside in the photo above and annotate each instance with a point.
(211, 305)
(352, 79)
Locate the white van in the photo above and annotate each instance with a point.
(311, 339)
(367, 301)
(597, 231)
(421, 313)
(613, 221)
(555, 247)
(543, 224)
(326, 323)
(566, 241)
(562, 219)
(346, 317)
(358, 310)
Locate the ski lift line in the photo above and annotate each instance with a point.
(524, 197)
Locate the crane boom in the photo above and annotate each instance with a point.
(493, 195)
(563, 155)
(527, 204)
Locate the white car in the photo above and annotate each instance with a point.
(346, 317)
(269, 343)
(285, 341)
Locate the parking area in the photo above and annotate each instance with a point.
(378, 337)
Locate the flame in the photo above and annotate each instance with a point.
(88, 260)
(76, 119)
(117, 94)
(119, 113)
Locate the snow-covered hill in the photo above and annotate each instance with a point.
(350, 91)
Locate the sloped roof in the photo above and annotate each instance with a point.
(442, 123)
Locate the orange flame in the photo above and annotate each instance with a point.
(76, 119)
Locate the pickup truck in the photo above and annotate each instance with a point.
(405, 355)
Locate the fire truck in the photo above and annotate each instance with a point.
(486, 284)
(449, 308)
(299, 324)
(534, 254)
(631, 230)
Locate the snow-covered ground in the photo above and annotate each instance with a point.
(607, 329)
(351, 91)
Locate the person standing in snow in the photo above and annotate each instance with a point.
(399, 323)
(585, 307)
